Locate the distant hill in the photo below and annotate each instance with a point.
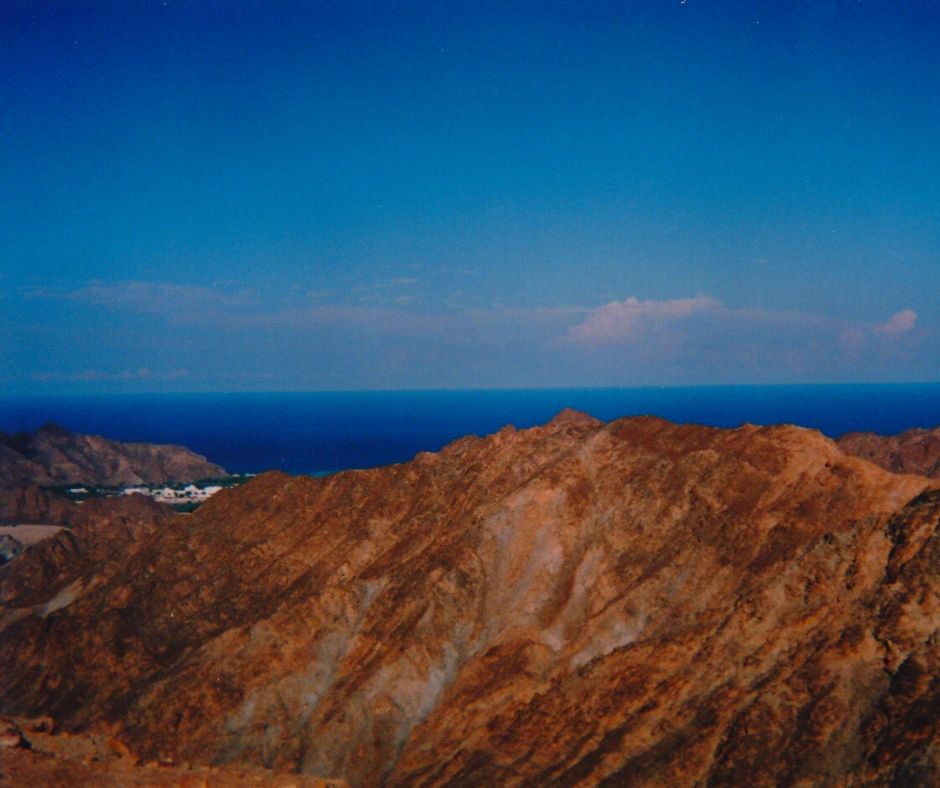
(915, 451)
(54, 456)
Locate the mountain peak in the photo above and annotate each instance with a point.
(574, 418)
(51, 428)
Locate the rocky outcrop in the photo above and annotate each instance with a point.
(629, 603)
(914, 451)
(55, 456)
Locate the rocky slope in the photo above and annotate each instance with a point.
(55, 456)
(914, 451)
(102, 530)
(33, 504)
(630, 603)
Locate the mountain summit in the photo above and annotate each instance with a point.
(578, 603)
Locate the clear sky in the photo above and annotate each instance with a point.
(285, 195)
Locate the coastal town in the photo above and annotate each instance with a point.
(182, 497)
(191, 493)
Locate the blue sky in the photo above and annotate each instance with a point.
(274, 196)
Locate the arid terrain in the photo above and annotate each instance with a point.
(631, 603)
(30, 515)
(33, 504)
(34, 754)
(54, 456)
(914, 451)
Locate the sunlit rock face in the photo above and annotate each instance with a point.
(636, 602)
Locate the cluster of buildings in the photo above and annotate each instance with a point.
(188, 494)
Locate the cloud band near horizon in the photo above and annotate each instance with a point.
(204, 329)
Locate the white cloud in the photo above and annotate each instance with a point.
(899, 323)
(620, 320)
(647, 331)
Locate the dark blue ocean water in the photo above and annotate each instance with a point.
(325, 431)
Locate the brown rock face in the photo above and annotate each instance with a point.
(914, 451)
(54, 456)
(629, 603)
(103, 530)
(32, 504)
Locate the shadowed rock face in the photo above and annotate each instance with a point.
(626, 603)
(10, 548)
(53, 456)
(914, 451)
(32, 504)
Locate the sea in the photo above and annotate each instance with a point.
(323, 432)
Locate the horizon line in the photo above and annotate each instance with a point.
(457, 390)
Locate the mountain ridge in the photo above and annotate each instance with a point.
(913, 451)
(577, 602)
(52, 455)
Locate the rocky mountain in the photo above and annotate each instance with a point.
(101, 529)
(54, 456)
(33, 504)
(914, 451)
(629, 603)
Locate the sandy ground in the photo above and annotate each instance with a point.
(30, 534)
